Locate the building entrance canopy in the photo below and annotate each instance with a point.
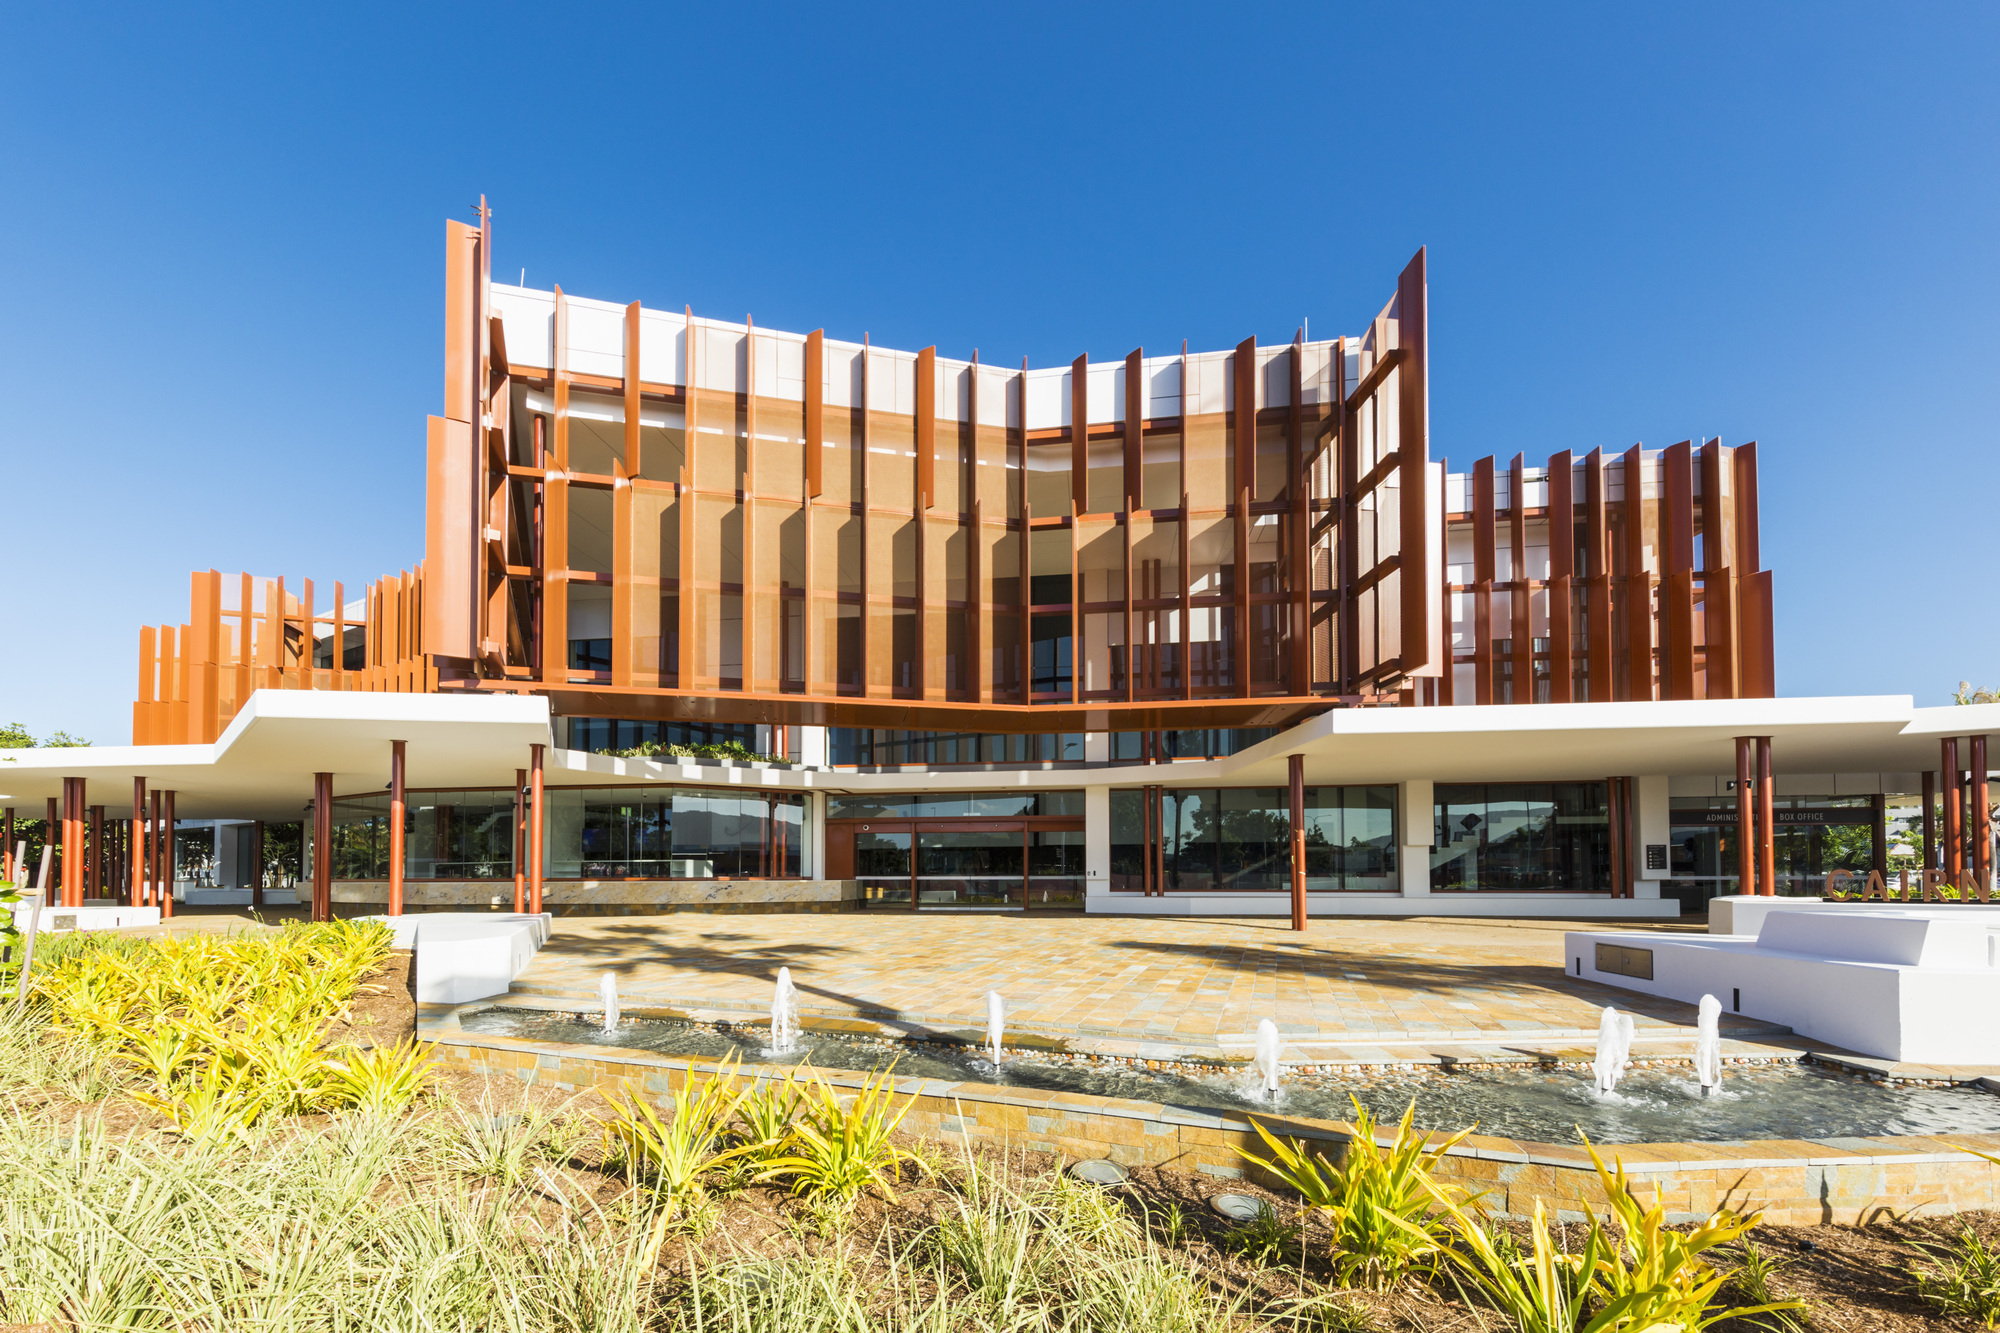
(262, 766)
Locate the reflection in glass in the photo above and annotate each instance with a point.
(1521, 836)
(1240, 839)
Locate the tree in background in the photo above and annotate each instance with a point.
(14, 736)
(1967, 695)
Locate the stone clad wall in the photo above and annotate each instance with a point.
(1794, 1182)
(643, 897)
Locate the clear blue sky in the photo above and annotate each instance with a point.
(222, 254)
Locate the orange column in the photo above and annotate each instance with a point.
(1613, 825)
(1746, 816)
(396, 815)
(1767, 852)
(536, 828)
(167, 850)
(520, 842)
(322, 847)
(7, 848)
(74, 857)
(1298, 775)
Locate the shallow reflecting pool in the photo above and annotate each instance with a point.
(1544, 1105)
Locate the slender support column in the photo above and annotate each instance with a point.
(322, 847)
(153, 859)
(1767, 852)
(1298, 775)
(1954, 811)
(520, 842)
(52, 823)
(396, 817)
(1616, 791)
(1981, 831)
(1746, 817)
(536, 828)
(167, 850)
(93, 863)
(257, 863)
(7, 848)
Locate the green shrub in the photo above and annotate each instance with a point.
(222, 1029)
(1382, 1203)
(1644, 1277)
(1263, 1239)
(676, 1156)
(380, 1079)
(1964, 1279)
(838, 1151)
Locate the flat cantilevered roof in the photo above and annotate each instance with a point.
(262, 767)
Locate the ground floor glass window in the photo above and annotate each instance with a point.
(1239, 838)
(1521, 836)
(653, 832)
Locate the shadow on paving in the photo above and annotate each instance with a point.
(762, 963)
(1431, 974)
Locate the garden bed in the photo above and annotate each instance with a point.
(488, 1202)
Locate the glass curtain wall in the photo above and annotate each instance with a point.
(1812, 837)
(1239, 838)
(861, 748)
(1212, 743)
(446, 835)
(674, 833)
(592, 833)
(1525, 836)
(959, 805)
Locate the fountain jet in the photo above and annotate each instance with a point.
(996, 1023)
(1708, 1044)
(784, 1014)
(1268, 1048)
(1614, 1048)
(607, 991)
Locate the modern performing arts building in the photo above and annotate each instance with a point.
(712, 616)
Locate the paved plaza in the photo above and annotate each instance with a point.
(1346, 991)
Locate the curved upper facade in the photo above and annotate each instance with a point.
(649, 514)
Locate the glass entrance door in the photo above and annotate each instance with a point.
(882, 864)
(965, 865)
(962, 865)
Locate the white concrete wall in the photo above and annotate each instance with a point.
(1911, 1012)
(1655, 821)
(816, 834)
(1097, 844)
(1415, 808)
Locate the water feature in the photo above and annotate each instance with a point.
(1614, 1049)
(1266, 1060)
(607, 992)
(996, 1024)
(1708, 1044)
(784, 1014)
(1543, 1104)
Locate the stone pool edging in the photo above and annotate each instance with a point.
(1107, 1047)
(1793, 1181)
(1058, 1049)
